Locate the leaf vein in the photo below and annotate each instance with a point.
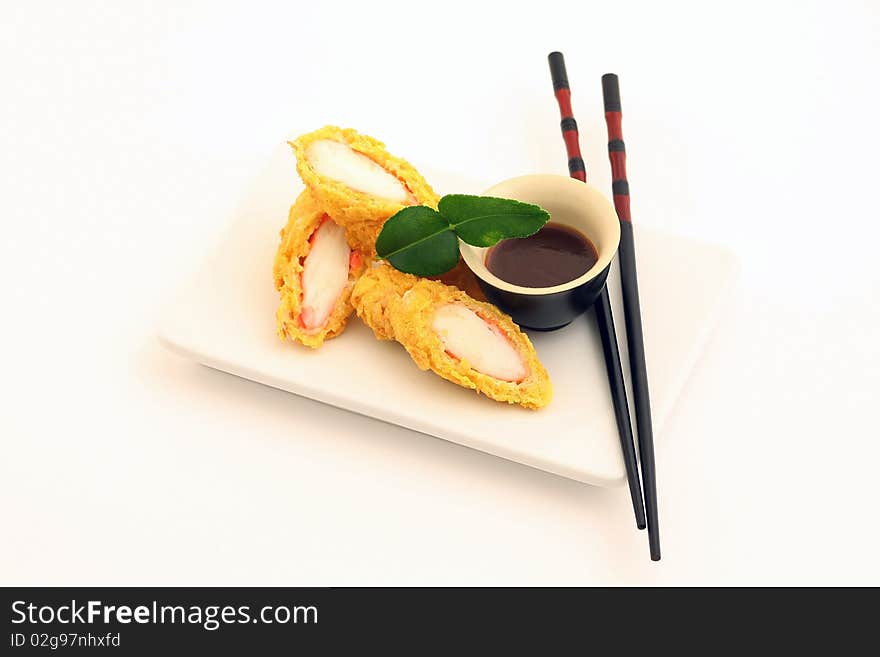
(410, 245)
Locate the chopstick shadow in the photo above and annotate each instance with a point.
(599, 520)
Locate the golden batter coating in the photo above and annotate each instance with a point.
(374, 294)
(304, 219)
(361, 214)
(396, 306)
(381, 283)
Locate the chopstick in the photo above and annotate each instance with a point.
(604, 317)
(632, 311)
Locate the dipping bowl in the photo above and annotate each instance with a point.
(569, 202)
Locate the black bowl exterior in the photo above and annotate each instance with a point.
(546, 312)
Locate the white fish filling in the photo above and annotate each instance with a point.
(325, 274)
(468, 337)
(337, 161)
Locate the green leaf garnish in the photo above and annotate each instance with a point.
(422, 241)
(484, 220)
(419, 241)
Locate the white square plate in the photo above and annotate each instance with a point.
(225, 319)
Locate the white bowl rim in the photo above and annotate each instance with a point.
(475, 257)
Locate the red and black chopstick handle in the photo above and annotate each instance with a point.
(632, 310)
(576, 166)
(616, 147)
(604, 315)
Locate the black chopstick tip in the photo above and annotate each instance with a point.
(557, 70)
(611, 92)
(641, 524)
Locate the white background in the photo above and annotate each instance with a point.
(129, 130)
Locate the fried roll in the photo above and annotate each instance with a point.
(315, 271)
(444, 330)
(357, 182)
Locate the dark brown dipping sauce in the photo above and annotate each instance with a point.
(554, 255)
